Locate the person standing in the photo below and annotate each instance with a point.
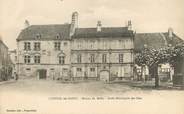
(16, 76)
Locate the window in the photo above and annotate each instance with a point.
(92, 58)
(28, 69)
(79, 69)
(37, 46)
(27, 59)
(57, 45)
(120, 58)
(15, 58)
(79, 44)
(65, 43)
(79, 58)
(61, 60)
(92, 44)
(104, 58)
(36, 59)
(58, 36)
(122, 43)
(27, 46)
(38, 36)
(92, 69)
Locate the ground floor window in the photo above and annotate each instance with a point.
(92, 69)
(28, 69)
(79, 69)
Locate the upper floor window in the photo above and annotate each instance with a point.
(57, 45)
(27, 59)
(36, 59)
(65, 43)
(37, 46)
(120, 58)
(61, 59)
(79, 58)
(104, 44)
(122, 43)
(15, 58)
(79, 44)
(27, 46)
(92, 43)
(104, 58)
(92, 58)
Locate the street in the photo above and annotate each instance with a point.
(53, 87)
(36, 95)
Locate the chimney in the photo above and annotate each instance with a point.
(170, 33)
(75, 19)
(129, 25)
(99, 26)
(26, 24)
(74, 23)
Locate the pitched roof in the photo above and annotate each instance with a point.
(106, 32)
(3, 44)
(154, 40)
(45, 32)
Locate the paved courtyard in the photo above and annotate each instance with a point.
(53, 87)
(32, 94)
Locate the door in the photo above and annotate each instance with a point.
(104, 76)
(42, 74)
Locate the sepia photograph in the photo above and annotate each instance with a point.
(91, 57)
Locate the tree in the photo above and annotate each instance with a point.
(153, 57)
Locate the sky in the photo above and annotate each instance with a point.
(146, 15)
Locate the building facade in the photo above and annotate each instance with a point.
(13, 58)
(71, 53)
(5, 64)
(44, 51)
(102, 53)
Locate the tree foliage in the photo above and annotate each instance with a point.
(168, 54)
(153, 57)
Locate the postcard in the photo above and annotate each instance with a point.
(91, 57)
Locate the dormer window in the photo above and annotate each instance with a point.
(38, 36)
(58, 36)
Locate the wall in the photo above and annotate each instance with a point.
(5, 65)
(49, 56)
(112, 47)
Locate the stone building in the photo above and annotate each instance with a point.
(44, 50)
(66, 51)
(13, 58)
(104, 53)
(5, 63)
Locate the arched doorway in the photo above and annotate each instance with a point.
(104, 75)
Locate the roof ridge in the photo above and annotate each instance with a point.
(95, 27)
(150, 32)
(50, 24)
